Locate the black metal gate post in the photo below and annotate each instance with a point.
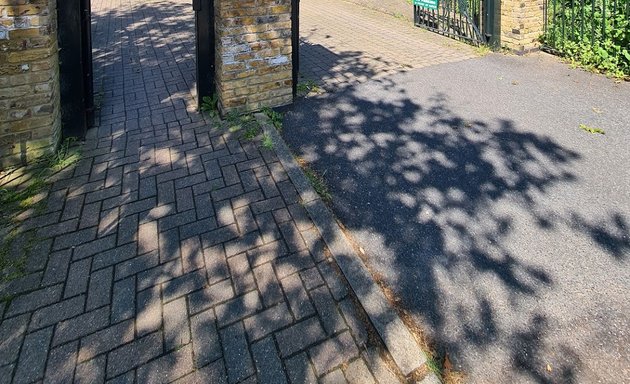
(204, 26)
(71, 68)
(295, 42)
(88, 73)
(492, 23)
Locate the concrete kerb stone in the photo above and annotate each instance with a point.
(395, 335)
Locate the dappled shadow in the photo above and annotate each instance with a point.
(439, 201)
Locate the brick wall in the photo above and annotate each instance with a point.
(521, 24)
(253, 54)
(29, 78)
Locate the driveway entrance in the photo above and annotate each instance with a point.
(344, 44)
(482, 201)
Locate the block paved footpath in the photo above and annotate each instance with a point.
(173, 251)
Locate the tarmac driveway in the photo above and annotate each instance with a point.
(500, 224)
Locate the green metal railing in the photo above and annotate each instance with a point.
(472, 21)
(591, 30)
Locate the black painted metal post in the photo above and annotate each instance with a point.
(72, 87)
(492, 23)
(205, 46)
(88, 73)
(295, 42)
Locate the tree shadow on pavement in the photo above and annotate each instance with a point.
(430, 195)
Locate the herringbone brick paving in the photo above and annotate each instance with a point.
(344, 44)
(174, 251)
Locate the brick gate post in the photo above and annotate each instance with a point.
(521, 24)
(253, 50)
(29, 80)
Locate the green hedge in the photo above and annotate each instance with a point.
(594, 34)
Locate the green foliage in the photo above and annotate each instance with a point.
(592, 130)
(275, 117)
(209, 104)
(595, 35)
(29, 196)
(267, 143)
(306, 87)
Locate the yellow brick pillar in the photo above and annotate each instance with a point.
(521, 24)
(29, 80)
(253, 50)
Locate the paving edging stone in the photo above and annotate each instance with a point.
(397, 338)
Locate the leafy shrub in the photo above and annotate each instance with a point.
(594, 34)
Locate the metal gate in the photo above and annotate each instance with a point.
(75, 61)
(473, 21)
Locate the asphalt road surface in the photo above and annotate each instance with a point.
(502, 225)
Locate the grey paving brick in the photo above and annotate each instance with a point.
(12, 332)
(149, 311)
(314, 243)
(159, 274)
(297, 297)
(219, 235)
(333, 352)
(90, 215)
(380, 369)
(267, 252)
(267, 205)
(245, 220)
(327, 310)
(311, 278)
(243, 243)
(299, 370)
(197, 227)
(242, 276)
(210, 296)
(124, 300)
(334, 377)
(134, 354)
(184, 284)
(91, 371)
(247, 198)
(203, 206)
(337, 286)
(147, 237)
(236, 353)
(211, 373)
(33, 355)
(147, 187)
(176, 326)
(58, 229)
(281, 215)
(80, 326)
(299, 336)
(72, 207)
(184, 199)
(136, 265)
(57, 312)
(61, 364)
(357, 326)
(57, 267)
(166, 193)
(176, 220)
(189, 181)
(268, 365)
(230, 176)
(238, 308)
(34, 300)
(114, 256)
(93, 247)
(6, 371)
(292, 236)
(267, 321)
(227, 192)
(167, 368)
(268, 227)
(293, 263)
(358, 373)
(268, 284)
(289, 193)
(100, 288)
(224, 213)
(127, 230)
(78, 277)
